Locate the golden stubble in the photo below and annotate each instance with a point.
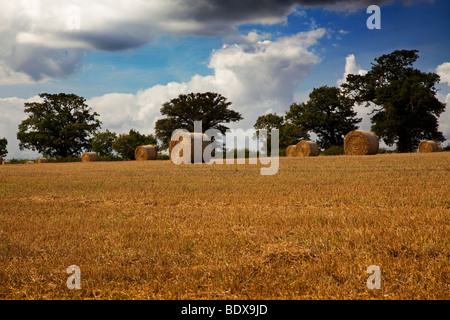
(154, 230)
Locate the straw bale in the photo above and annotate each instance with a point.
(428, 146)
(89, 157)
(290, 151)
(187, 140)
(306, 149)
(148, 152)
(361, 143)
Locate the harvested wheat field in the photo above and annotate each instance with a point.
(154, 230)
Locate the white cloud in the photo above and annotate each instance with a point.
(351, 68)
(443, 71)
(12, 111)
(254, 76)
(444, 119)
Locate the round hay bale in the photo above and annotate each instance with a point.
(290, 151)
(361, 143)
(306, 149)
(89, 157)
(428, 146)
(143, 153)
(30, 162)
(187, 141)
(41, 160)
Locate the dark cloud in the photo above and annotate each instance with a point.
(257, 10)
(40, 62)
(122, 37)
(119, 26)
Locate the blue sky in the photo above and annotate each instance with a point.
(127, 58)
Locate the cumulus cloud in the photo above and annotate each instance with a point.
(351, 68)
(12, 113)
(254, 76)
(443, 71)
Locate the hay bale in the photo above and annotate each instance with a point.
(306, 149)
(30, 162)
(148, 152)
(5, 162)
(187, 141)
(428, 146)
(361, 143)
(290, 151)
(41, 160)
(89, 157)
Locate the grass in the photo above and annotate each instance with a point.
(153, 230)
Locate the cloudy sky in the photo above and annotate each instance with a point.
(128, 57)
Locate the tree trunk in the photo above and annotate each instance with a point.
(402, 145)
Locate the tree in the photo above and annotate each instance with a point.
(3, 144)
(126, 144)
(328, 113)
(60, 126)
(210, 108)
(102, 143)
(289, 133)
(406, 108)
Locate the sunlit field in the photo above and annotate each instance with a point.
(154, 230)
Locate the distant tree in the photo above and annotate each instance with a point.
(102, 143)
(3, 144)
(60, 126)
(328, 113)
(126, 144)
(289, 133)
(210, 108)
(407, 109)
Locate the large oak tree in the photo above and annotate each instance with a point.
(60, 126)
(212, 109)
(406, 108)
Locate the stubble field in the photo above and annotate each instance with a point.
(154, 230)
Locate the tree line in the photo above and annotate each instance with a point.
(403, 99)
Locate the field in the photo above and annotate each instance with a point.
(154, 230)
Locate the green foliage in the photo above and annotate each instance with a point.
(126, 144)
(237, 153)
(109, 158)
(65, 159)
(60, 126)
(163, 157)
(3, 150)
(334, 151)
(102, 143)
(210, 108)
(328, 113)
(381, 150)
(289, 133)
(18, 161)
(407, 109)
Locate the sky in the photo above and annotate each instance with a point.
(127, 58)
